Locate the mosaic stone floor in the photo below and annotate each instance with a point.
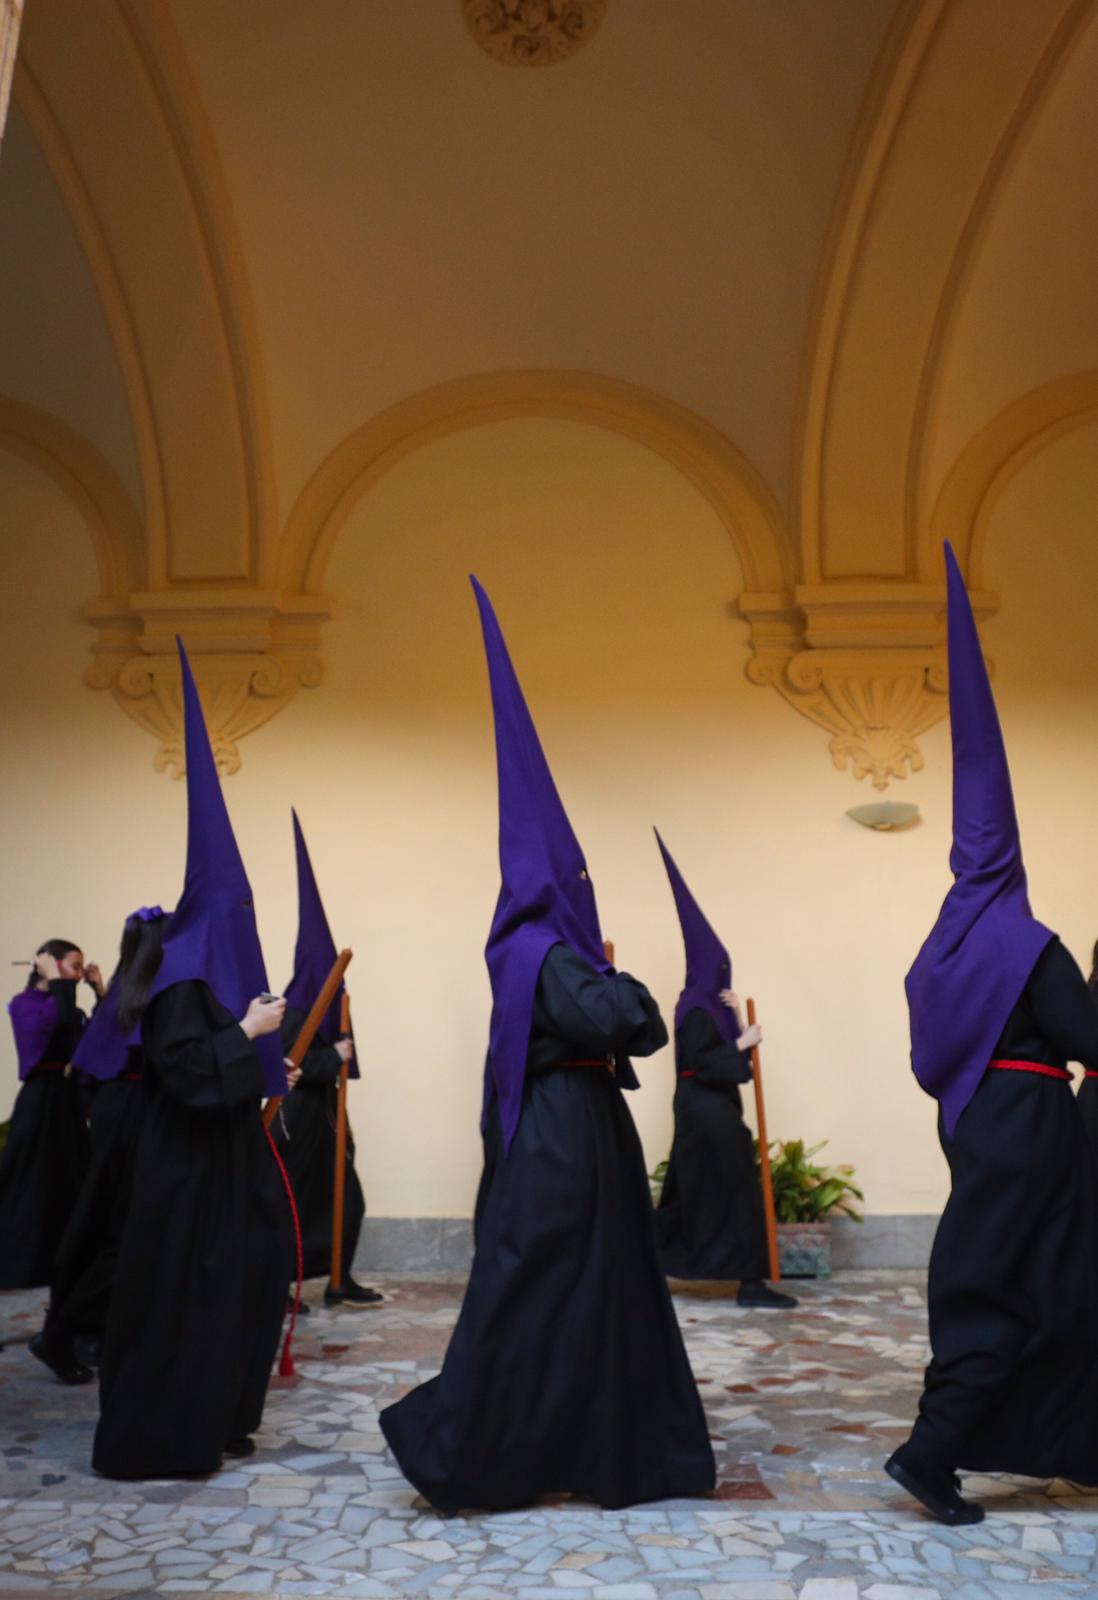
(803, 1410)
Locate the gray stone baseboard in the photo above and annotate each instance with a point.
(445, 1244)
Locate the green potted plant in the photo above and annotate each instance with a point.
(806, 1197)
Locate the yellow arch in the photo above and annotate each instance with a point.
(701, 452)
(109, 514)
(991, 459)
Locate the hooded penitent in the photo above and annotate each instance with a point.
(315, 953)
(708, 964)
(978, 957)
(103, 1051)
(33, 1015)
(212, 937)
(545, 897)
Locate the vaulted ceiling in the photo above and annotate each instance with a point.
(833, 258)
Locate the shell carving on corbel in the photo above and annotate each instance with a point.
(250, 654)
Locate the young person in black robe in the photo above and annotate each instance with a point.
(566, 1370)
(305, 1128)
(710, 1221)
(997, 1009)
(46, 1155)
(110, 1060)
(194, 1318)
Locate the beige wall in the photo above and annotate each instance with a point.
(612, 578)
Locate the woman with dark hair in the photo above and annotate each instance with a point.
(1087, 1098)
(109, 1058)
(200, 1289)
(43, 1163)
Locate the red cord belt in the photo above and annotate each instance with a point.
(1040, 1067)
(603, 1061)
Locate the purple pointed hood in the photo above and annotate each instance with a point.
(708, 964)
(315, 953)
(978, 957)
(212, 935)
(33, 1014)
(545, 897)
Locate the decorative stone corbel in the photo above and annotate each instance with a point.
(251, 651)
(864, 661)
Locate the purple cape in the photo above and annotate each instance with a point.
(315, 953)
(545, 897)
(33, 1015)
(708, 964)
(102, 1051)
(212, 936)
(977, 959)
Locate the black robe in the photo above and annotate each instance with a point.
(1012, 1291)
(200, 1291)
(87, 1257)
(304, 1131)
(710, 1221)
(566, 1370)
(46, 1156)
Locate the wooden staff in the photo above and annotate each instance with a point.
(340, 1151)
(764, 1154)
(608, 951)
(309, 1027)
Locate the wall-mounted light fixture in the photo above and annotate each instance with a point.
(886, 816)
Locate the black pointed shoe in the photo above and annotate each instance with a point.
(58, 1356)
(754, 1293)
(935, 1488)
(351, 1293)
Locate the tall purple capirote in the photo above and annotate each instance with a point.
(545, 897)
(212, 935)
(33, 1015)
(315, 952)
(978, 956)
(708, 964)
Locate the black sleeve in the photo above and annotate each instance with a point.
(599, 1015)
(321, 1063)
(703, 1052)
(199, 1054)
(1064, 1008)
(64, 994)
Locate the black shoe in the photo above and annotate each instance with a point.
(59, 1358)
(238, 1449)
(352, 1294)
(939, 1491)
(755, 1293)
(302, 1310)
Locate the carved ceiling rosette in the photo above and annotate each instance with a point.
(532, 33)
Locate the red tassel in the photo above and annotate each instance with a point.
(286, 1368)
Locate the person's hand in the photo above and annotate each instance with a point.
(749, 1038)
(47, 966)
(729, 998)
(344, 1050)
(293, 1074)
(93, 976)
(262, 1017)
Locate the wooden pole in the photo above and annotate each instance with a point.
(340, 1152)
(764, 1155)
(608, 951)
(310, 1025)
